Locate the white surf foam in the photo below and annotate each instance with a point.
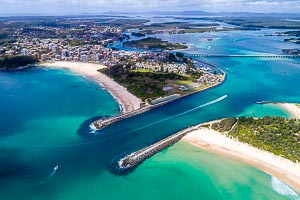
(92, 128)
(284, 189)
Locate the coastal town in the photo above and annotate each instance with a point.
(85, 42)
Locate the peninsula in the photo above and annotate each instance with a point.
(158, 83)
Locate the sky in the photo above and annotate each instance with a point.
(100, 6)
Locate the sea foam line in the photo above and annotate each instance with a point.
(284, 189)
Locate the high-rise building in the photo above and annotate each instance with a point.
(84, 58)
(95, 57)
(65, 53)
(25, 52)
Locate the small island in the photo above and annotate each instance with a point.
(154, 43)
(12, 63)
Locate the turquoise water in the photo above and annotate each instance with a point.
(45, 117)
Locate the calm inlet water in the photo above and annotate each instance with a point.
(45, 117)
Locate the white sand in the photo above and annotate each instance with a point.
(293, 109)
(215, 142)
(128, 101)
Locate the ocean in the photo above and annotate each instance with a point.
(49, 152)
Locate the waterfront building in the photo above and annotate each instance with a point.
(65, 53)
(57, 57)
(25, 52)
(76, 59)
(44, 57)
(95, 57)
(115, 56)
(10, 53)
(84, 58)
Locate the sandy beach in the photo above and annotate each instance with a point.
(128, 101)
(215, 142)
(292, 108)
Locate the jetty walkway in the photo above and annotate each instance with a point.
(240, 56)
(136, 158)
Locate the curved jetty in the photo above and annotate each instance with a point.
(136, 158)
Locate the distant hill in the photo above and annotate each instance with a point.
(203, 13)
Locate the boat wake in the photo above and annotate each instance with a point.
(51, 175)
(134, 130)
(283, 189)
(183, 113)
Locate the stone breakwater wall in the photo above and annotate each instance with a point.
(136, 158)
(102, 123)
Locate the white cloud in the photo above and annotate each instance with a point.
(75, 6)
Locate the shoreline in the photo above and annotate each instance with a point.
(291, 108)
(127, 101)
(215, 142)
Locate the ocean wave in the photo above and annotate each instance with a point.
(284, 189)
(93, 129)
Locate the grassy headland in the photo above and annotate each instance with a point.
(145, 83)
(150, 80)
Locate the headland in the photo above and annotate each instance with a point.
(102, 123)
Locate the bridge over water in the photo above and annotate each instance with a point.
(240, 56)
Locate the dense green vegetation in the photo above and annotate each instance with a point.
(9, 63)
(278, 135)
(154, 43)
(5, 39)
(142, 84)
